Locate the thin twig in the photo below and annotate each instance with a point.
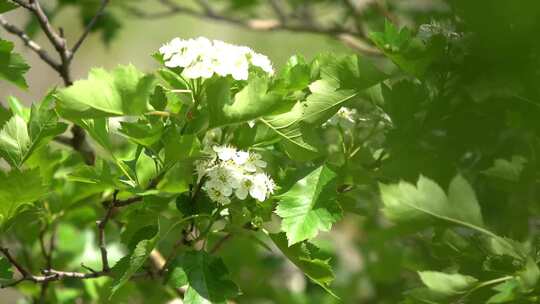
(202, 3)
(78, 141)
(57, 41)
(22, 3)
(279, 10)
(42, 247)
(128, 201)
(14, 262)
(88, 268)
(43, 293)
(89, 27)
(56, 275)
(50, 275)
(101, 224)
(221, 242)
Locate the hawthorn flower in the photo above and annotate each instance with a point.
(200, 68)
(218, 193)
(262, 62)
(202, 58)
(243, 190)
(254, 162)
(171, 48)
(260, 188)
(230, 171)
(224, 152)
(241, 157)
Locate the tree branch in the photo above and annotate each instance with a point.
(14, 262)
(57, 41)
(78, 141)
(22, 3)
(277, 7)
(101, 224)
(30, 44)
(345, 35)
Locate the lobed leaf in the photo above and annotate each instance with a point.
(12, 65)
(310, 206)
(123, 91)
(447, 284)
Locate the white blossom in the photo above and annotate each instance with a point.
(259, 190)
(231, 171)
(171, 48)
(243, 190)
(254, 162)
(262, 62)
(225, 152)
(241, 157)
(215, 193)
(202, 58)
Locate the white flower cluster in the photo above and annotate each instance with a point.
(231, 171)
(345, 118)
(201, 58)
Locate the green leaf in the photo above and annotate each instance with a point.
(6, 271)
(507, 292)
(288, 127)
(296, 75)
(4, 115)
(158, 99)
(7, 5)
(18, 188)
(12, 65)
(99, 174)
(179, 147)
(98, 129)
(208, 279)
(405, 202)
(145, 134)
(172, 78)
(324, 101)
(177, 179)
(177, 277)
(352, 72)
(507, 170)
(252, 102)
(19, 140)
(17, 108)
(447, 284)
(309, 206)
(306, 257)
(297, 124)
(529, 276)
(43, 125)
(14, 141)
(406, 51)
(128, 266)
(509, 247)
(124, 91)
